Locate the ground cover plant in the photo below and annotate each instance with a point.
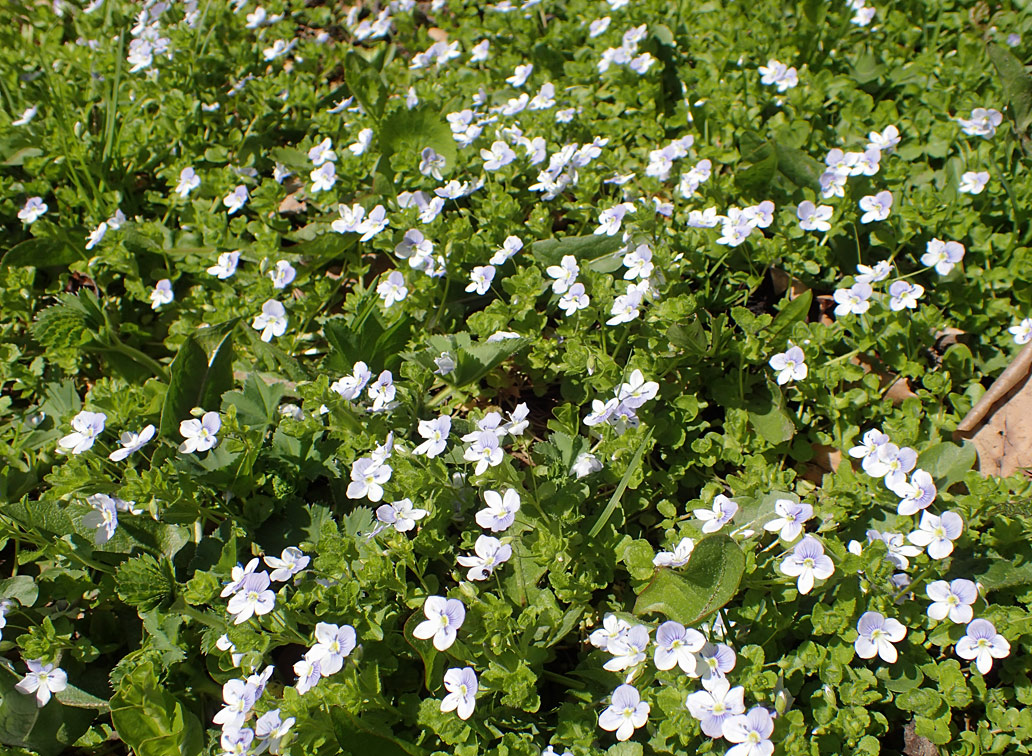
(513, 378)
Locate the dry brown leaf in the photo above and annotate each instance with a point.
(894, 388)
(998, 424)
(916, 745)
(781, 281)
(826, 459)
(437, 35)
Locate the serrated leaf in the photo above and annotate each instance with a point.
(708, 582)
(256, 405)
(144, 582)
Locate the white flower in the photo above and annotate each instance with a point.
(613, 628)
(718, 702)
(676, 646)
(937, 534)
(574, 299)
(200, 434)
(1022, 332)
(188, 181)
(253, 599)
(373, 224)
(814, 217)
(626, 712)
(942, 255)
(853, 301)
(324, 177)
(973, 182)
(500, 511)
(279, 48)
(271, 321)
(565, 273)
(892, 463)
(877, 634)
(33, 210)
(599, 26)
(751, 732)
(723, 510)
(42, 679)
(392, 289)
(790, 364)
(510, 247)
(499, 156)
(27, 115)
(952, 600)
(132, 442)
(480, 51)
(869, 446)
(904, 295)
(806, 562)
(983, 644)
(886, 141)
(104, 517)
(462, 687)
(283, 274)
(628, 649)
(96, 235)
(790, 518)
(362, 142)
(626, 307)
(521, 74)
(86, 426)
(322, 153)
(610, 219)
(290, 562)
(779, 74)
(982, 123)
(334, 644)
(445, 363)
(431, 164)
(585, 464)
(917, 493)
(226, 265)
(480, 279)
(236, 199)
(401, 514)
(879, 272)
(490, 553)
(367, 479)
(382, 392)
(350, 387)
(161, 294)
(638, 262)
(876, 207)
(444, 616)
(707, 218)
(678, 557)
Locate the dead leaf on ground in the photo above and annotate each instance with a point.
(826, 459)
(781, 281)
(895, 388)
(915, 745)
(437, 35)
(998, 424)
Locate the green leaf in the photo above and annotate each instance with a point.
(409, 132)
(1002, 574)
(80, 699)
(769, 418)
(366, 84)
(758, 167)
(21, 588)
(614, 500)
(792, 311)
(150, 720)
(256, 405)
(597, 252)
(197, 379)
(947, 462)
(704, 585)
(43, 253)
(360, 736)
(798, 167)
(472, 360)
(41, 516)
(47, 731)
(144, 582)
(1017, 85)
